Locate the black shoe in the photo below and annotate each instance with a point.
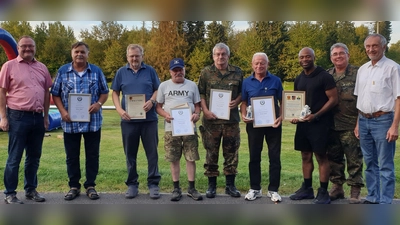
(232, 191)
(12, 199)
(369, 202)
(211, 191)
(303, 193)
(35, 196)
(322, 197)
(176, 195)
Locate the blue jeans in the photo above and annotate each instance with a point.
(26, 131)
(132, 133)
(72, 144)
(378, 156)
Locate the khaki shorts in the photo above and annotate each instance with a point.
(175, 146)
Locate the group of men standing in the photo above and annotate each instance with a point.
(354, 116)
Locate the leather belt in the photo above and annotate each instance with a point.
(27, 112)
(373, 115)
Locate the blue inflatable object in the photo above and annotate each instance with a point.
(9, 44)
(54, 120)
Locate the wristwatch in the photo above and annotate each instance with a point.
(100, 103)
(153, 101)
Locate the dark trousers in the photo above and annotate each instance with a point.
(72, 144)
(26, 131)
(132, 133)
(273, 138)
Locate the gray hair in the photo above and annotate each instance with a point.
(222, 46)
(340, 45)
(135, 46)
(382, 39)
(260, 54)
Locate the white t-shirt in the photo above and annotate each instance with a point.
(377, 86)
(172, 95)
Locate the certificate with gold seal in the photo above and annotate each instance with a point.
(219, 103)
(134, 106)
(293, 103)
(78, 107)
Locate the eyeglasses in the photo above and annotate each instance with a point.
(339, 54)
(26, 46)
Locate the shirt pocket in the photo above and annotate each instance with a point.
(94, 88)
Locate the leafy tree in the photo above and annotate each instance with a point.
(301, 34)
(198, 59)
(394, 52)
(385, 29)
(166, 43)
(273, 35)
(41, 35)
(17, 28)
(114, 59)
(246, 44)
(215, 34)
(57, 47)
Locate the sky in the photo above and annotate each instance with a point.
(77, 26)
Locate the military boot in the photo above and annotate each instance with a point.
(355, 195)
(336, 192)
(230, 188)
(212, 187)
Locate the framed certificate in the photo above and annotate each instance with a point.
(182, 124)
(293, 103)
(134, 106)
(263, 111)
(219, 103)
(78, 107)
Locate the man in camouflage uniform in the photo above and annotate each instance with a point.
(223, 76)
(342, 141)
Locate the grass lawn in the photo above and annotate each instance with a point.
(53, 177)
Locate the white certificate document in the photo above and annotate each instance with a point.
(219, 103)
(263, 111)
(134, 106)
(78, 107)
(181, 123)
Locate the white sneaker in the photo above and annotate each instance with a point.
(275, 197)
(253, 195)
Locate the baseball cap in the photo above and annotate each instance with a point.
(177, 62)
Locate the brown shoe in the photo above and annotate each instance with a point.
(355, 195)
(336, 192)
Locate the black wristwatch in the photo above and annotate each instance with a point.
(153, 101)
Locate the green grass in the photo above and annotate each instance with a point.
(52, 173)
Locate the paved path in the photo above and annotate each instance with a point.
(143, 198)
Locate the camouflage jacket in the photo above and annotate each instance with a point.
(345, 113)
(211, 78)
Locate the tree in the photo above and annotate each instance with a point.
(301, 34)
(215, 35)
(246, 44)
(394, 52)
(114, 59)
(166, 43)
(57, 47)
(273, 35)
(41, 35)
(198, 59)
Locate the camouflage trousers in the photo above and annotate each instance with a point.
(344, 148)
(211, 136)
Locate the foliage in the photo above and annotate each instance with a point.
(193, 41)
